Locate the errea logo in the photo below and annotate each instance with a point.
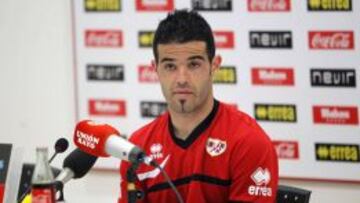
(261, 178)
(156, 151)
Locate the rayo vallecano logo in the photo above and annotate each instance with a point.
(261, 178)
(156, 151)
(215, 147)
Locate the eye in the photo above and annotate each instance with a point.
(169, 66)
(194, 64)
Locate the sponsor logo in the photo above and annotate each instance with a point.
(275, 112)
(341, 115)
(272, 76)
(103, 38)
(156, 151)
(154, 5)
(102, 5)
(271, 39)
(225, 75)
(213, 5)
(268, 5)
(101, 107)
(224, 39)
(147, 73)
(329, 5)
(215, 147)
(151, 109)
(331, 40)
(99, 72)
(145, 38)
(333, 77)
(89, 141)
(337, 152)
(261, 178)
(286, 149)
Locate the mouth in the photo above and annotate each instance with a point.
(182, 92)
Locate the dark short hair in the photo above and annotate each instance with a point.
(183, 26)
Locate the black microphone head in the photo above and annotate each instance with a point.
(61, 145)
(79, 162)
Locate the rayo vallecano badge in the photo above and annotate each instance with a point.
(215, 147)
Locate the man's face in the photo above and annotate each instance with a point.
(185, 75)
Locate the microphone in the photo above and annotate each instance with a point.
(61, 146)
(103, 140)
(76, 165)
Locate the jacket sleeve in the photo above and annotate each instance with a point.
(254, 169)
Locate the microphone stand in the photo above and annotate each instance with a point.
(59, 187)
(133, 193)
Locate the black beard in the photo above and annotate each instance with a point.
(182, 102)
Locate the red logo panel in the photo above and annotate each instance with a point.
(224, 39)
(147, 73)
(154, 5)
(103, 38)
(286, 149)
(331, 40)
(342, 115)
(102, 107)
(269, 5)
(272, 76)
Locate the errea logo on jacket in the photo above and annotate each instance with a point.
(261, 178)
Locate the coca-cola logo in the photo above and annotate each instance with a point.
(103, 107)
(224, 39)
(272, 76)
(286, 149)
(341, 115)
(103, 38)
(147, 73)
(331, 40)
(268, 5)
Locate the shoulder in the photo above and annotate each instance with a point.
(240, 127)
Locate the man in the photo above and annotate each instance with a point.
(211, 151)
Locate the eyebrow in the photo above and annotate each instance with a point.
(196, 57)
(167, 60)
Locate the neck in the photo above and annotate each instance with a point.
(185, 123)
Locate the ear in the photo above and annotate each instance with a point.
(216, 63)
(153, 64)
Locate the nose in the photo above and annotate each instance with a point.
(182, 76)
